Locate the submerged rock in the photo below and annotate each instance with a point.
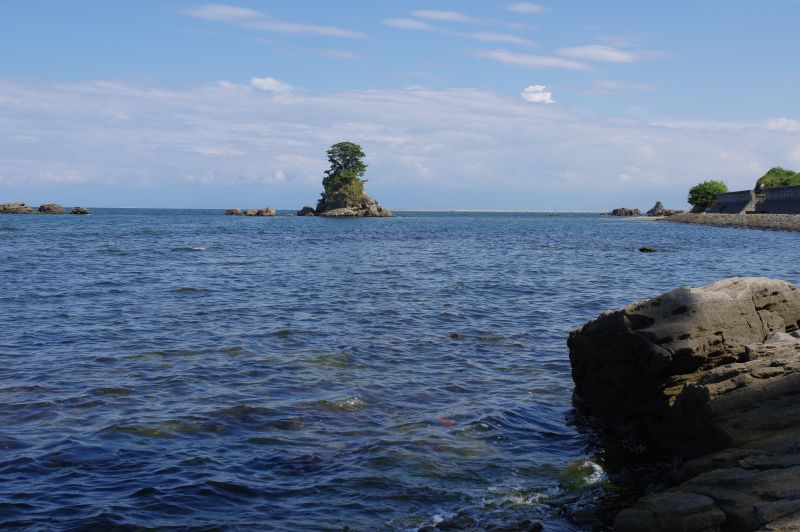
(51, 208)
(622, 211)
(306, 211)
(16, 208)
(712, 373)
(80, 210)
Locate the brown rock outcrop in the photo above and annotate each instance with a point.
(715, 373)
(16, 208)
(51, 208)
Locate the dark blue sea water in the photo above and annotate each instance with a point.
(184, 368)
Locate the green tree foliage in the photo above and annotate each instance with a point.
(702, 194)
(777, 177)
(343, 181)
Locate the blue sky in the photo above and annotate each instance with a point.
(483, 105)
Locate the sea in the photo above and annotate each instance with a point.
(182, 369)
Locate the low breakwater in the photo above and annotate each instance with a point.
(711, 374)
(778, 222)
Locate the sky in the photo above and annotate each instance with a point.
(558, 105)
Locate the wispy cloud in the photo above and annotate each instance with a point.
(537, 94)
(602, 53)
(526, 8)
(530, 60)
(223, 13)
(446, 16)
(598, 52)
(257, 20)
(483, 36)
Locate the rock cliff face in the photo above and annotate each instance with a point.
(715, 373)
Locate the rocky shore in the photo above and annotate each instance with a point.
(712, 375)
(779, 222)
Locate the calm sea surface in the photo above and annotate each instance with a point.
(184, 368)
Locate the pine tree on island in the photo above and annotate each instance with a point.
(343, 185)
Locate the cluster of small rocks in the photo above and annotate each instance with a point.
(47, 208)
(267, 211)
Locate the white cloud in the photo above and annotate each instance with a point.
(222, 13)
(530, 61)
(271, 85)
(446, 16)
(598, 52)
(537, 94)
(408, 24)
(256, 20)
(526, 8)
(279, 26)
(504, 151)
(484, 36)
(783, 124)
(490, 36)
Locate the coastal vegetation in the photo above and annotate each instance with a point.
(777, 177)
(702, 194)
(343, 185)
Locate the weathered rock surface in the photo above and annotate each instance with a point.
(659, 210)
(369, 208)
(306, 211)
(715, 373)
(16, 208)
(622, 211)
(51, 208)
(267, 211)
(80, 210)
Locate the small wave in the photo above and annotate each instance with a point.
(190, 290)
(188, 249)
(349, 404)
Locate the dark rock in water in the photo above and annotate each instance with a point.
(16, 208)
(622, 211)
(646, 249)
(456, 336)
(306, 211)
(51, 208)
(369, 208)
(712, 373)
(659, 210)
(80, 210)
(267, 211)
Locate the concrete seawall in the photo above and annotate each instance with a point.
(778, 222)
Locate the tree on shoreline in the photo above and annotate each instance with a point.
(777, 177)
(702, 195)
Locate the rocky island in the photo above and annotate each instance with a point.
(343, 185)
(711, 375)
